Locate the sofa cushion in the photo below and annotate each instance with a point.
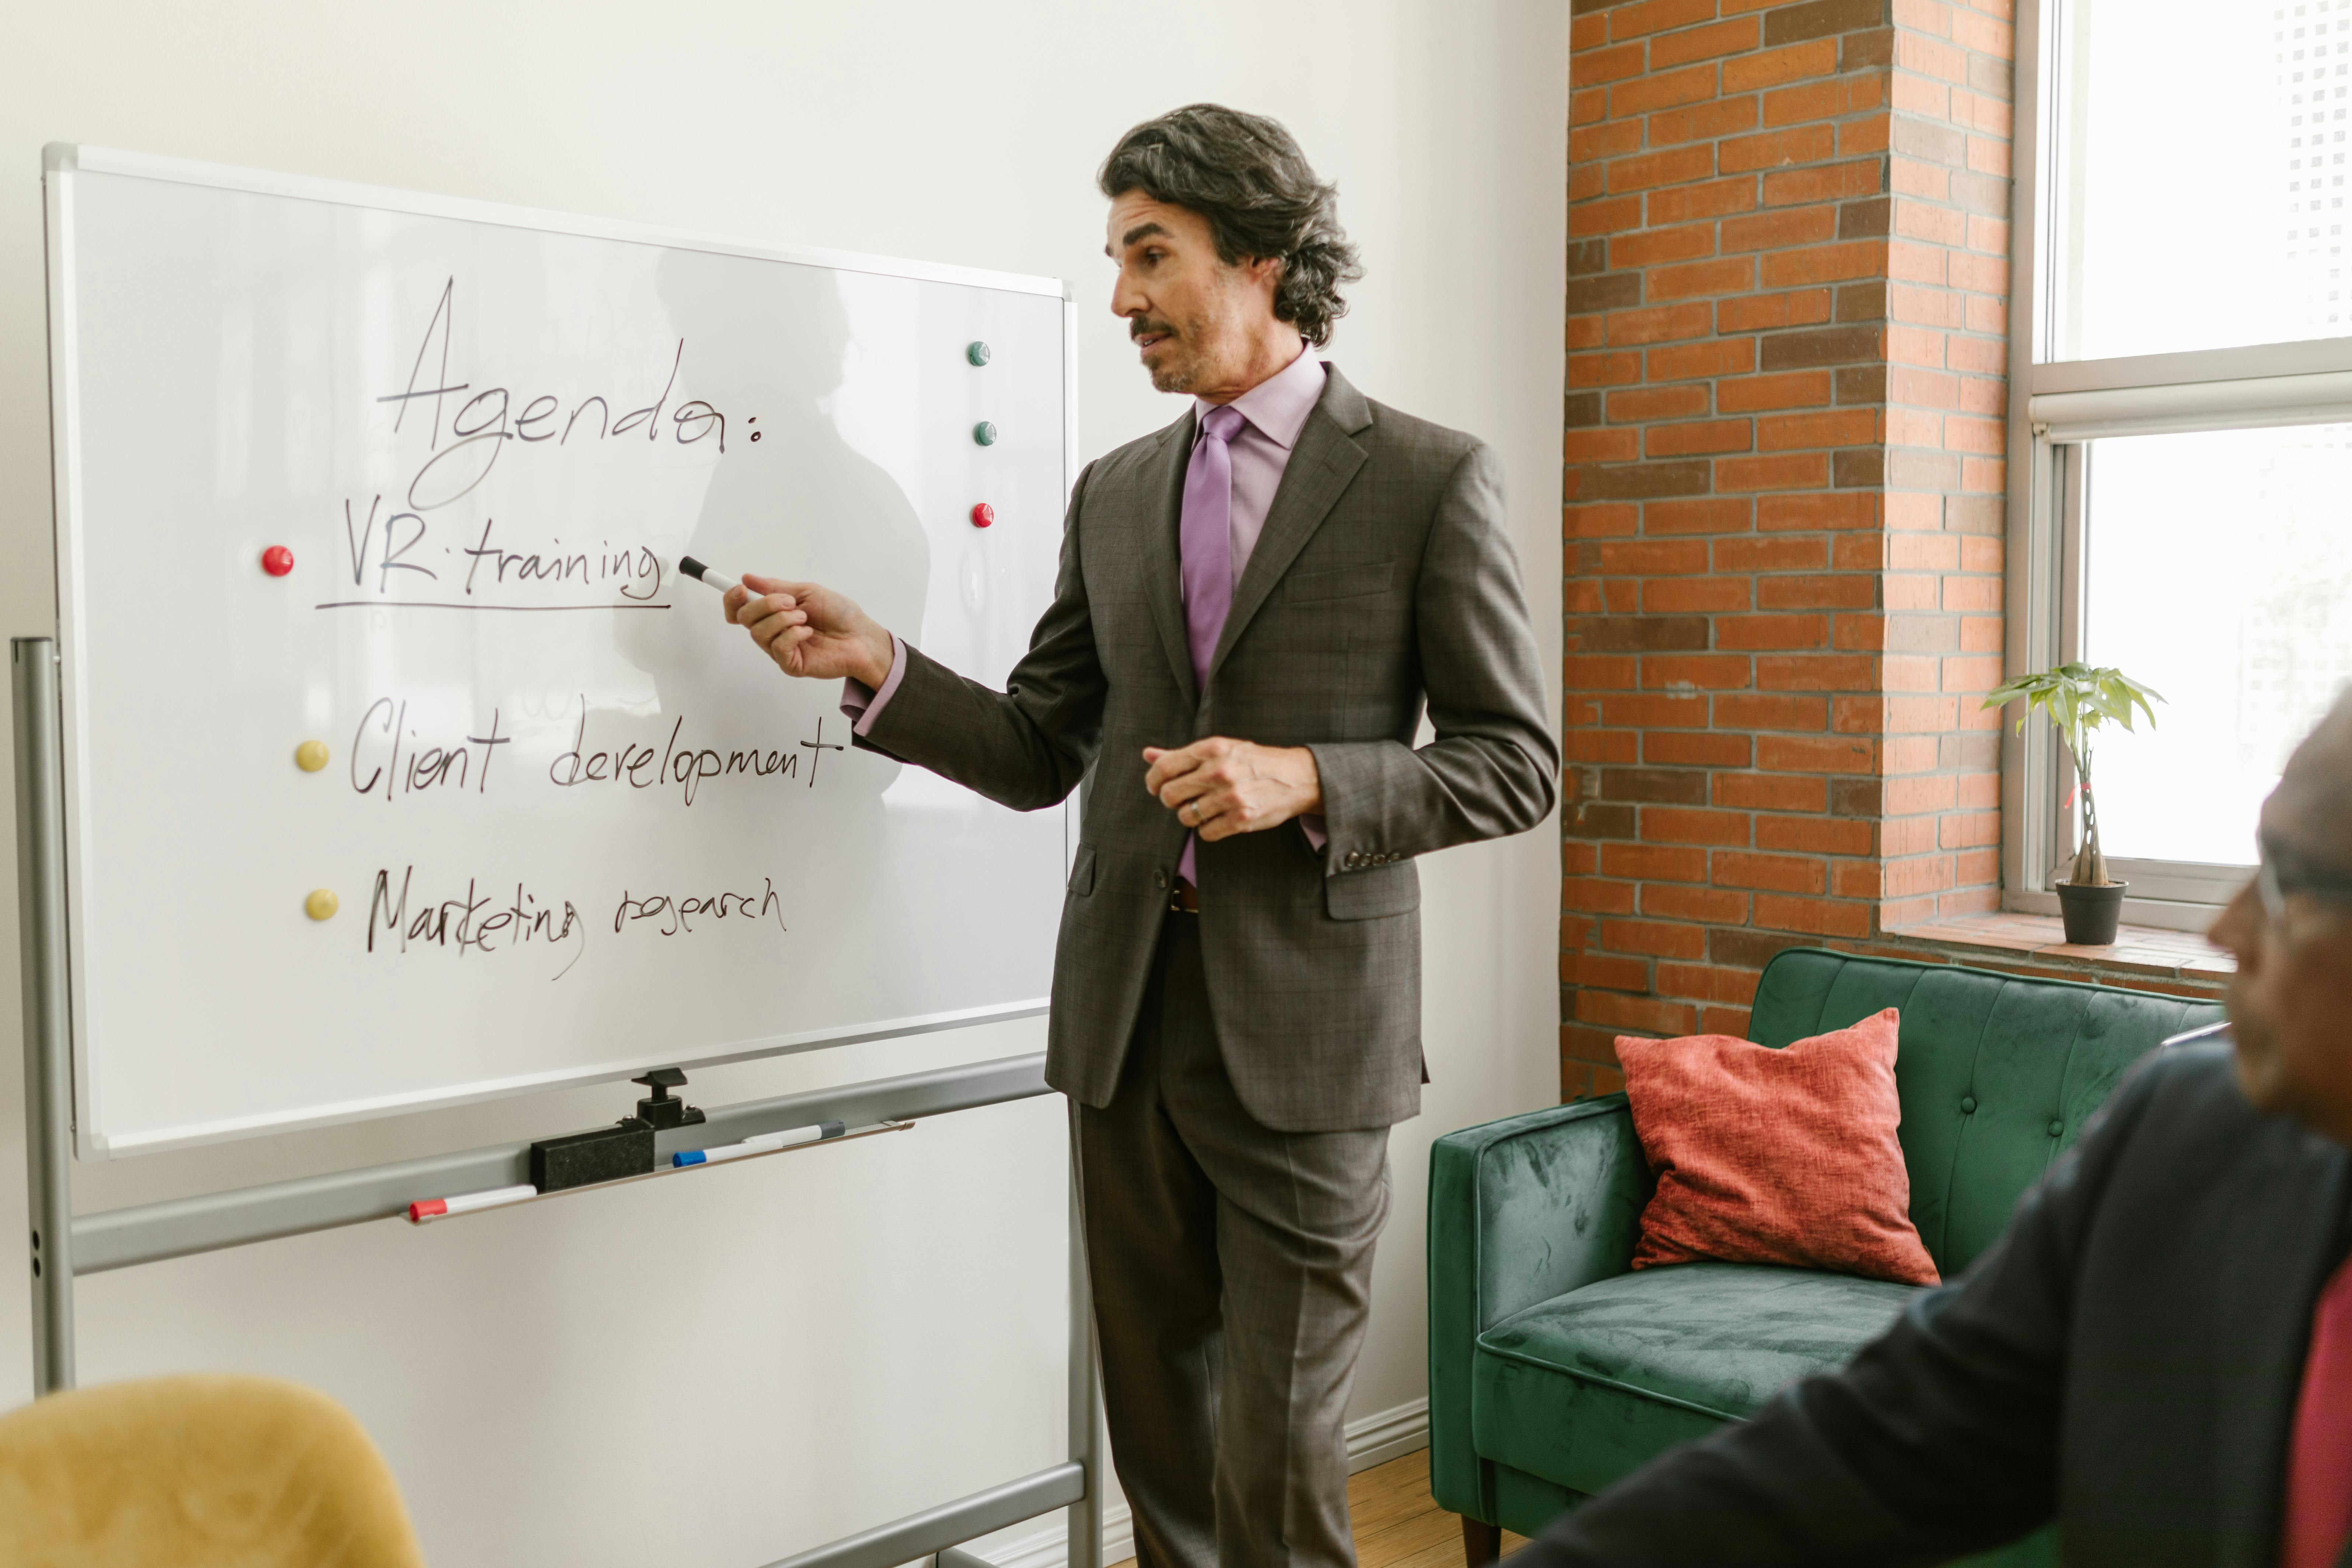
(1583, 1388)
(1784, 1156)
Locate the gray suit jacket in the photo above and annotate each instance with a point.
(1384, 577)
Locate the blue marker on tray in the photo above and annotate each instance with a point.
(765, 1143)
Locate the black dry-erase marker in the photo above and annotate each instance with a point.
(701, 573)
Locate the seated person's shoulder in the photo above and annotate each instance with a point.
(2181, 1107)
(2197, 1080)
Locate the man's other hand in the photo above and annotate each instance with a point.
(810, 631)
(1219, 787)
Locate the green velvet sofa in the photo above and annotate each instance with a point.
(1554, 1369)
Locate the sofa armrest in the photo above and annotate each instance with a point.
(1520, 1210)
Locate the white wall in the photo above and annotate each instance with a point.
(724, 1370)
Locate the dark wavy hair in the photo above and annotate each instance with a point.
(1245, 175)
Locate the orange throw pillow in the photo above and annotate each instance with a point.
(1766, 1156)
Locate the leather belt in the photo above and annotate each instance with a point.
(1183, 898)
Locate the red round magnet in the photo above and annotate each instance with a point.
(277, 561)
(982, 515)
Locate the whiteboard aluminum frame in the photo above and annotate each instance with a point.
(69, 158)
(60, 162)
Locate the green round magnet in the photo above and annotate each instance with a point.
(976, 352)
(984, 433)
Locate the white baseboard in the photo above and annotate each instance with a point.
(1386, 1435)
(1376, 1439)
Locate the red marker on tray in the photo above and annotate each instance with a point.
(467, 1203)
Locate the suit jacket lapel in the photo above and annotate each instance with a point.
(1321, 467)
(1162, 568)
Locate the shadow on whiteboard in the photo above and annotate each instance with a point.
(798, 501)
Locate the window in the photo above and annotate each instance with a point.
(2180, 420)
(2198, 202)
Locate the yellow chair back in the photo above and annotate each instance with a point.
(208, 1472)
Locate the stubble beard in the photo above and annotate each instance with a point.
(1174, 372)
(1178, 368)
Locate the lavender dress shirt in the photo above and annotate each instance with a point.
(1275, 411)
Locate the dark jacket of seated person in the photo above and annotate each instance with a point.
(2158, 1354)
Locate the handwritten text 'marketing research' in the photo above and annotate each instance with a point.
(484, 922)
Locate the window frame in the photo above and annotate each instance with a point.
(2056, 406)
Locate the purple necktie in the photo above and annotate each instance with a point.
(1206, 538)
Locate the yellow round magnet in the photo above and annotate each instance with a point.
(311, 756)
(322, 904)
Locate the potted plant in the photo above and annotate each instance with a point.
(2079, 699)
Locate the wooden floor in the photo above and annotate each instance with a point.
(1398, 1524)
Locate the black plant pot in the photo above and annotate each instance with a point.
(2091, 913)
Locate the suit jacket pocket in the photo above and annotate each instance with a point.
(1370, 894)
(1339, 583)
(1082, 873)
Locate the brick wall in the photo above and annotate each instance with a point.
(1788, 259)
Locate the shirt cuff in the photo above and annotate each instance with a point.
(861, 704)
(1311, 825)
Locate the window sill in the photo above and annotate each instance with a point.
(2142, 958)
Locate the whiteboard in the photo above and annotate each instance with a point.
(576, 826)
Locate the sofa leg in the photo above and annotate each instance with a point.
(1482, 1543)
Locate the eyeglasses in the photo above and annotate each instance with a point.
(2275, 884)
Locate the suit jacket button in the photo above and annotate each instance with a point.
(1160, 879)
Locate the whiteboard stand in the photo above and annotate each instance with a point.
(64, 1245)
(49, 1047)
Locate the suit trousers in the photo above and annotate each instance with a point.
(1232, 1267)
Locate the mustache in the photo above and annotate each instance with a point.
(1140, 326)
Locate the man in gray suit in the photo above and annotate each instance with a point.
(1254, 606)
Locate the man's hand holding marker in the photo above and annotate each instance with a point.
(1217, 786)
(809, 630)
